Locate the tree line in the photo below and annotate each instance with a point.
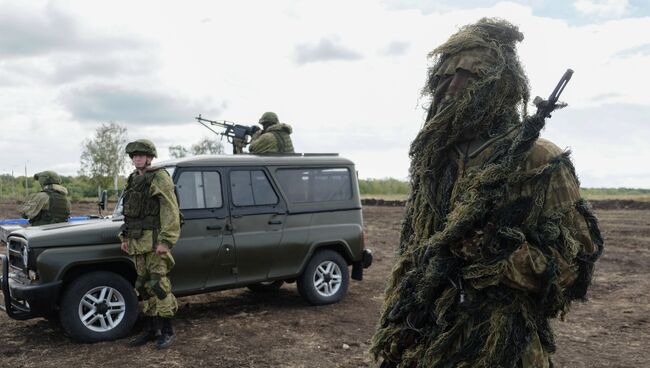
(104, 166)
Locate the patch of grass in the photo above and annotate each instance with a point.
(632, 194)
(386, 197)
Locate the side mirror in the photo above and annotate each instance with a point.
(103, 200)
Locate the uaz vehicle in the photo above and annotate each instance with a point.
(249, 221)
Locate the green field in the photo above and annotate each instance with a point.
(642, 195)
(393, 189)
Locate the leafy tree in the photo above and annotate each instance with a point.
(102, 157)
(178, 151)
(205, 146)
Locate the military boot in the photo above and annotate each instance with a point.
(167, 335)
(151, 332)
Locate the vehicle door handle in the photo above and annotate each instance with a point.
(228, 227)
(215, 227)
(275, 222)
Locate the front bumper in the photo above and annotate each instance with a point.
(365, 262)
(22, 301)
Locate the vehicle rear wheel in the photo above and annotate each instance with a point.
(325, 279)
(98, 306)
(266, 286)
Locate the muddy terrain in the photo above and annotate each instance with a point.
(242, 329)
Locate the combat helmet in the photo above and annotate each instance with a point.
(47, 177)
(269, 118)
(144, 146)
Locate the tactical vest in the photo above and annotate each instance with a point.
(283, 141)
(141, 211)
(59, 209)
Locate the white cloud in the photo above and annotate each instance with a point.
(226, 61)
(602, 8)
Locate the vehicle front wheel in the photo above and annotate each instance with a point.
(325, 279)
(98, 306)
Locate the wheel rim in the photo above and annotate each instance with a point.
(328, 278)
(101, 309)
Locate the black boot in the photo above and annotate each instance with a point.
(151, 332)
(167, 335)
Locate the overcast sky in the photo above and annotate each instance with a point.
(346, 75)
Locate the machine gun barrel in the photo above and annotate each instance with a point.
(232, 131)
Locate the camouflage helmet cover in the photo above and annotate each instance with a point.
(144, 146)
(269, 118)
(47, 178)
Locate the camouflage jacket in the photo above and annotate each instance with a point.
(39, 203)
(274, 139)
(162, 188)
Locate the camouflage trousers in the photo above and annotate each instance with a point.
(535, 356)
(153, 285)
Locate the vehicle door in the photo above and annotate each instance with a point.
(257, 214)
(204, 254)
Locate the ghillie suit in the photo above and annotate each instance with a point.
(495, 240)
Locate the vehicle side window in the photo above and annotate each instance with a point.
(251, 188)
(315, 185)
(212, 186)
(198, 189)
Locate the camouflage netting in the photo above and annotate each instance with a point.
(442, 308)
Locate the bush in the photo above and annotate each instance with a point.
(383, 186)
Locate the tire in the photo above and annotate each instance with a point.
(325, 279)
(98, 306)
(266, 287)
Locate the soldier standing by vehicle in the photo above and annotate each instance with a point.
(151, 228)
(50, 205)
(496, 240)
(273, 138)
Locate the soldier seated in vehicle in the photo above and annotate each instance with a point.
(273, 138)
(50, 205)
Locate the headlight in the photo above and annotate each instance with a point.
(25, 256)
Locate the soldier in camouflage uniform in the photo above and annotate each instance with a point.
(50, 205)
(273, 138)
(496, 240)
(151, 228)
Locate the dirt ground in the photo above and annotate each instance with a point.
(239, 328)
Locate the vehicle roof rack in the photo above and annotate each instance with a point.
(299, 154)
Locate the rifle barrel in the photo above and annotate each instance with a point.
(560, 86)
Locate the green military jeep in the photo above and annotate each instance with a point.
(249, 221)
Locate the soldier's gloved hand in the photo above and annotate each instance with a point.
(161, 249)
(255, 129)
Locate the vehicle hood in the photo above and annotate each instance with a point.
(65, 234)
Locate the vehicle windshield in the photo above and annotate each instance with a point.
(117, 212)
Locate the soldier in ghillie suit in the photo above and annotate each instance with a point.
(273, 138)
(50, 205)
(151, 228)
(496, 240)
